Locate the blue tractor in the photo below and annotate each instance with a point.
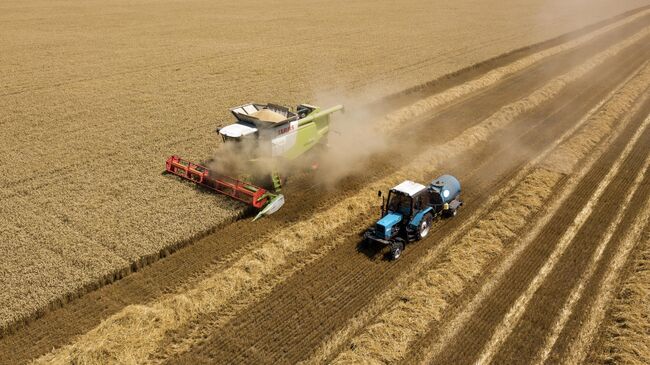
(410, 209)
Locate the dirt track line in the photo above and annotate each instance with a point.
(577, 292)
(579, 348)
(625, 335)
(453, 327)
(517, 310)
(408, 113)
(326, 349)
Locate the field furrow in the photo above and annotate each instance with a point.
(623, 333)
(516, 312)
(579, 290)
(476, 323)
(577, 352)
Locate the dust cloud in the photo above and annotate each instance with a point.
(352, 141)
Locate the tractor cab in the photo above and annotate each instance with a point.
(405, 198)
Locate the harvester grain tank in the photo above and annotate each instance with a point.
(269, 137)
(409, 211)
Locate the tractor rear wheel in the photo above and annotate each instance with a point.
(396, 250)
(425, 226)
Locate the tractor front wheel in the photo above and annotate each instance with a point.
(396, 250)
(425, 226)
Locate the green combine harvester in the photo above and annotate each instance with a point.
(269, 138)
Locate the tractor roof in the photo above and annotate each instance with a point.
(409, 187)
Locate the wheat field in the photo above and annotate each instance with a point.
(95, 95)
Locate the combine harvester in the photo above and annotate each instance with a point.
(410, 210)
(266, 135)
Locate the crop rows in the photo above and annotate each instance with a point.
(625, 331)
(269, 259)
(89, 114)
(579, 289)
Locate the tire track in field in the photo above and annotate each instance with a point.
(473, 324)
(407, 320)
(584, 306)
(547, 305)
(595, 259)
(623, 335)
(511, 319)
(219, 344)
(578, 350)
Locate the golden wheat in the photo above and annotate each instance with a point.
(247, 271)
(626, 330)
(94, 96)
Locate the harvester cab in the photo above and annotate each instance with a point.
(409, 211)
(267, 136)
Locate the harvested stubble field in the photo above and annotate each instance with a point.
(95, 96)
